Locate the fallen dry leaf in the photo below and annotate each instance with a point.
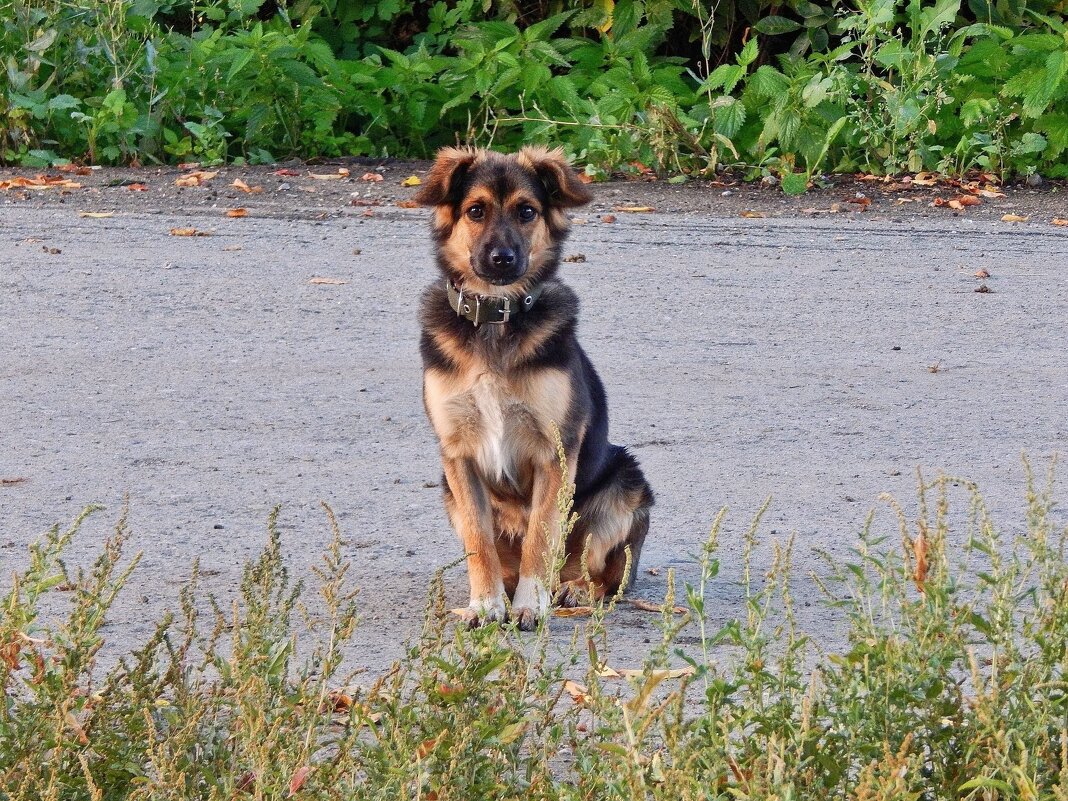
(633, 673)
(635, 209)
(653, 571)
(991, 193)
(137, 187)
(407, 204)
(188, 232)
(983, 289)
(74, 169)
(608, 218)
(197, 178)
(329, 281)
(287, 172)
(51, 251)
(40, 182)
(427, 746)
(189, 165)
(96, 215)
(579, 693)
(298, 779)
(411, 180)
(1059, 221)
(10, 482)
(584, 178)
(373, 177)
(573, 611)
(1014, 218)
(248, 190)
(575, 258)
(331, 176)
(862, 201)
(924, 179)
(982, 274)
(752, 215)
(237, 213)
(649, 606)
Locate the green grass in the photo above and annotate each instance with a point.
(949, 684)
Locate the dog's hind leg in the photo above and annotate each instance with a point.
(468, 505)
(613, 522)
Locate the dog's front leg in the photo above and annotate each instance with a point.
(540, 547)
(469, 511)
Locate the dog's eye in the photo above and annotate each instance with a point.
(476, 212)
(527, 213)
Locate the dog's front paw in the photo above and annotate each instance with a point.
(482, 611)
(531, 603)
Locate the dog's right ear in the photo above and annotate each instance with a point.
(443, 183)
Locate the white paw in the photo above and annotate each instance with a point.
(485, 610)
(530, 603)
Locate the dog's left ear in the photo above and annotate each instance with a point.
(561, 182)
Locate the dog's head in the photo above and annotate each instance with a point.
(499, 219)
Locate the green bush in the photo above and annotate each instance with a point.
(949, 684)
(877, 85)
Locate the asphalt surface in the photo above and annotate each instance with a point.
(815, 360)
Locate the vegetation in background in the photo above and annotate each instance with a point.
(950, 684)
(687, 86)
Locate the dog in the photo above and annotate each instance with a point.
(502, 371)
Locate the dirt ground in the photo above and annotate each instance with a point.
(817, 353)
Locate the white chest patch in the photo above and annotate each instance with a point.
(495, 458)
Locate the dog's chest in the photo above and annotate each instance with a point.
(504, 425)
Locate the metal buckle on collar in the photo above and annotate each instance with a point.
(506, 311)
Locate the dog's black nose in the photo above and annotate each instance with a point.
(502, 257)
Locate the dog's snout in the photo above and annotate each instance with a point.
(502, 257)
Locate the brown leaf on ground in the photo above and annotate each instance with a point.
(579, 692)
(649, 606)
(287, 172)
(990, 193)
(96, 215)
(653, 571)
(185, 166)
(608, 218)
(40, 182)
(573, 611)
(51, 251)
(407, 204)
(923, 179)
(331, 176)
(237, 213)
(575, 258)
(635, 209)
(197, 178)
(969, 200)
(359, 201)
(752, 214)
(1014, 218)
(248, 190)
(863, 202)
(74, 169)
(1058, 221)
(137, 187)
(584, 178)
(983, 289)
(328, 281)
(372, 177)
(188, 232)
(427, 746)
(10, 482)
(298, 779)
(982, 274)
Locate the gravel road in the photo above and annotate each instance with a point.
(818, 360)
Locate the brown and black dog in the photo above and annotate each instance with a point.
(502, 366)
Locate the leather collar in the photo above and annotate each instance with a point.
(490, 308)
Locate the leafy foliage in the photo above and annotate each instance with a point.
(950, 683)
(682, 86)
